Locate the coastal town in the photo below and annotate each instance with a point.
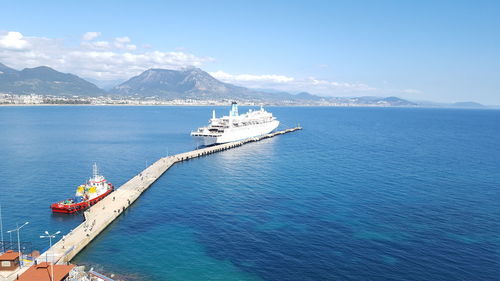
(36, 99)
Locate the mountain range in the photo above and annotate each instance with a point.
(192, 83)
(44, 80)
(166, 84)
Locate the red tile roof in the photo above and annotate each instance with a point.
(9, 256)
(42, 272)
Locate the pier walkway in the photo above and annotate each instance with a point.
(99, 216)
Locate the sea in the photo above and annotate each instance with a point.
(358, 194)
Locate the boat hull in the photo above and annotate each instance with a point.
(81, 206)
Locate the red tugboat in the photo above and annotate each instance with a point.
(86, 195)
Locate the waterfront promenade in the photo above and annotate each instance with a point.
(102, 214)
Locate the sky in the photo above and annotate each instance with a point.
(442, 51)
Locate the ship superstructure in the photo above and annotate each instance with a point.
(236, 127)
(94, 190)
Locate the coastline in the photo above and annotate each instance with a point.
(246, 104)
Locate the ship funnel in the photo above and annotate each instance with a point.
(213, 114)
(234, 109)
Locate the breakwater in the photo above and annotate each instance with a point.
(102, 214)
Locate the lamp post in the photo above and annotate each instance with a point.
(1, 230)
(50, 236)
(18, 242)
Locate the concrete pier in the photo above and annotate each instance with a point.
(99, 216)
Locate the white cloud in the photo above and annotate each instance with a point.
(119, 58)
(339, 85)
(122, 39)
(92, 59)
(122, 43)
(90, 36)
(271, 78)
(131, 47)
(13, 40)
(97, 45)
(287, 83)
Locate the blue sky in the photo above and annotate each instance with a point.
(422, 50)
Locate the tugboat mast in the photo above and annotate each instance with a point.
(95, 171)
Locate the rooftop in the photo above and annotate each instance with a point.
(9, 256)
(42, 272)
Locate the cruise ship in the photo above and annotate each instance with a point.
(235, 127)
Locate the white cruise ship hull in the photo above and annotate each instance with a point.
(240, 133)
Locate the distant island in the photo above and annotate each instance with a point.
(191, 86)
(468, 104)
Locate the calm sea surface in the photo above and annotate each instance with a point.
(359, 194)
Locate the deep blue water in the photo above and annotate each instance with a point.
(359, 194)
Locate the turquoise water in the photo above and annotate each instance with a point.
(359, 194)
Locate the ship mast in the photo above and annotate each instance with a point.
(95, 172)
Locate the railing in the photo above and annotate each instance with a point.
(26, 247)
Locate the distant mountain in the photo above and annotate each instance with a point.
(7, 75)
(197, 84)
(468, 104)
(6, 70)
(166, 84)
(106, 85)
(192, 83)
(44, 80)
(307, 96)
(372, 100)
(395, 101)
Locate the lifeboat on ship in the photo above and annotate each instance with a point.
(93, 191)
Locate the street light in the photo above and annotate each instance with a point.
(18, 242)
(50, 236)
(1, 229)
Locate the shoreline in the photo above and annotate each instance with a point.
(266, 105)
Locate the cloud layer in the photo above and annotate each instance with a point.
(111, 59)
(119, 59)
(286, 83)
